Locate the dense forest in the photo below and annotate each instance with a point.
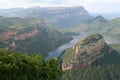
(16, 66)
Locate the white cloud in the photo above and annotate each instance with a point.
(90, 5)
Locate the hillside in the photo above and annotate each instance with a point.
(91, 59)
(29, 35)
(100, 25)
(68, 19)
(57, 17)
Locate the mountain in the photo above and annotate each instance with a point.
(91, 59)
(99, 24)
(99, 18)
(54, 16)
(29, 35)
(85, 52)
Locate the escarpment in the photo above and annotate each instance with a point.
(85, 52)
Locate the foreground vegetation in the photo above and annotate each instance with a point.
(15, 66)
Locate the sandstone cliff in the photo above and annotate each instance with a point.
(36, 37)
(85, 52)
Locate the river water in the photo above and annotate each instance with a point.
(57, 52)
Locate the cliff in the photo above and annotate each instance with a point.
(54, 16)
(85, 52)
(32, 37)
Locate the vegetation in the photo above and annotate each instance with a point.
(16, 66)
(99, 25)
(45, 40)
(116, 47)
(68, 55)
(105, 68)
(108, 72)
(18, 23)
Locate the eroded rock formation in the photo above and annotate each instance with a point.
(85, 52)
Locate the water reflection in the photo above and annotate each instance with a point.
(59, 50)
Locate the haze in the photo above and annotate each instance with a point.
(100, 6)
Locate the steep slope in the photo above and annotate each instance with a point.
(34, 37)
(91, 59)
(86, 52)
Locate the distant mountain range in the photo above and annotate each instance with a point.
(68, 19)
(64, 19)
(99, 24)
(54, 16)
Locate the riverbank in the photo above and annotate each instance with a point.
(58, 51)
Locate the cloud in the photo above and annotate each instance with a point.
(90, 5)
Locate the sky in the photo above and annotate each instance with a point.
(112, 6)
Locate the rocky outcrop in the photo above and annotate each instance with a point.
(17, 35)
(68, 12)
(26, 35)
(85, 52)
(8, 34)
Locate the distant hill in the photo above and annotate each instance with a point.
(91, 59)
(29, 35)
(54, 16)
(99, 24)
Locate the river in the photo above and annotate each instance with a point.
(57, 52)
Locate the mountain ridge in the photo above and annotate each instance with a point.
(34, 37)
(86, 52)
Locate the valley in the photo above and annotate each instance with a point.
(58, 43)
(30, 31)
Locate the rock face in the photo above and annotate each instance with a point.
(8, 34)
(85, 52)
(18, 35)
(54, 12)
(54, 16)
(35, 37)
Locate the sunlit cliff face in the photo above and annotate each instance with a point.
(85, 52)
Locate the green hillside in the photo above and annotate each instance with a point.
(99, 25)
(86, 62)
(106, 68)
(116, 47)
(18, 23)
(29, 35)
(108, 72)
